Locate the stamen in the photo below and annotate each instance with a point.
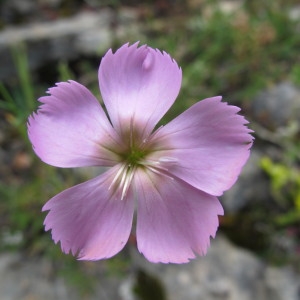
(136, 157)
(129, 176)
(149, 162)
(160, 166)
(168, 159)
(162, 163)
(120, 171)
(123, 179)
(153, 164)
(159, 172)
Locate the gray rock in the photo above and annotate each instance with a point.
(23, 278)
(86, 33)
(21, 7)
(277, 282)
(242, 192)
(51, 3)
(28, 280)
(277, 106)
(294, 13)
(225, 273)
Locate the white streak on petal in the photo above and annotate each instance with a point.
(89, 220)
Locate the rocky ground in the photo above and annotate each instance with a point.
(227, 272)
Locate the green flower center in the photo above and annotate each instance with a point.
(135, 157)
(136, 154)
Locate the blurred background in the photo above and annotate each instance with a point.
(248, 52)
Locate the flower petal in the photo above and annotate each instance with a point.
(174, 220)
(89, 220)
(70, 129)
(210, 144)
(138, 86)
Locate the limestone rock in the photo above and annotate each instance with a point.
(85, 33)
(225, 273)
(242, 192)
(277, 106)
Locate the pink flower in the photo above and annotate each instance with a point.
(171, 175)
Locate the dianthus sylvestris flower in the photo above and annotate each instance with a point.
(171, 175)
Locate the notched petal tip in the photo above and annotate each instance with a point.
(88, 221)
(69, 128)
(120, 51)
(148, 79)
(174, 221)
(211, 142)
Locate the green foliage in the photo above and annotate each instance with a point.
(19, 103)
(296, 74)
(65, 73)
(233, 54)
(285, 187)
(23, 197)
